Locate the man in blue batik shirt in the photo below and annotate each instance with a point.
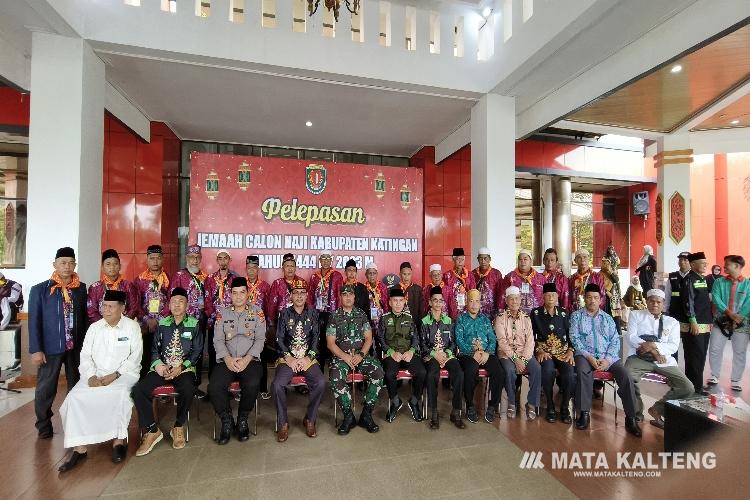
(597, 348)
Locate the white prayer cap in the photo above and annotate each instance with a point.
(326, 251)
(524, 251)
(512, 290)
(436, 267)
(656, 292)
(224, 250)
(583, 252)
(371, 265)
(484, 251)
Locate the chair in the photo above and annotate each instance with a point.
(165, 393)
(443, 375)
(234, 389)
(352, 379)
(609, 380)
(483, 375)
(297, 381)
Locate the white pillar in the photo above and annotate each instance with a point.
(66, 140)
(493, 177)
(673, 161)
(545, 192)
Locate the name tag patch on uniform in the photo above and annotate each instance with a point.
(187, 335)
(122, 339)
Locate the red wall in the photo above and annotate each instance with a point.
(14, 107)
(447, 207)
(140, 199)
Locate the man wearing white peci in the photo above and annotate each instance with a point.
(99, 406)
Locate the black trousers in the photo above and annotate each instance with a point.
(471, 378)
(141, 393)
(202, 322)
(324, 354)
(211, 352)
(567, 381)
(268, 355)
(148, 339)
(695, 348)
(415, 366)
(455, 375)
(46, 384)
(219, 382)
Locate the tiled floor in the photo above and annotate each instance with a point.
(404, 460)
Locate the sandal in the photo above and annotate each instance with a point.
(511, 412)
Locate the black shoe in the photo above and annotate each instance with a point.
(200, 394)
(434, 421)
(416, 411)
(366, 421)
(471, 415)
(348, 423)
(45, 433)
(632, 426)
(551, 416)
(584, 419)
(118, 453)
(565, 417)
(243, 428)
(393, 408)
(227, 425)
(456, 419)
(489, 414)
(73, 461)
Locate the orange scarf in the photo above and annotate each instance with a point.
(75, 282)
(373, 289)
(528, 277)
(352, 282)
(253, 290)
(111, 285)
(582, 280)
(201, 276)
(162, 279)
(220, 283)
(323, 284)
(404, 288)
(462, 278)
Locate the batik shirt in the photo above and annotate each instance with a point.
(562, 285)
(490, 286)
(531, 286)
(472, 331)
(280, 297)
(454, 293)
(195, 284)
(96, 299)
(323, 292)
(297, 334)
(594, 335)
(218, 294)
(154, 295)
(378, 296)
(578, 284)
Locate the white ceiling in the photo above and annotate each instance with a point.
(224, 105)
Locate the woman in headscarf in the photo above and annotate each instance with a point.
(646, 268)
(634, 296)
(715, 274)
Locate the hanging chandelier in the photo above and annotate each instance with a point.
(351, 5)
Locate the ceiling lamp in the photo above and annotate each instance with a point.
(334, 5)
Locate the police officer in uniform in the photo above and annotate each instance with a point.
(349, 338)
(399, 345)
(239, 336)
(554, 351)
(696, 305)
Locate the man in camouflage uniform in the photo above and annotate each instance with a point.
(349, 338)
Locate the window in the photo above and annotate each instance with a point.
(434, 33)
(237, 11)
(458, 37)
(357, 31)
(329, 23)
(13, 193)
(385, 24)
(507, 20)
(410, 28)
(524, 219)
(528, 9)
(202, 8)
(269, 14)
(299, 21)
(169, 6)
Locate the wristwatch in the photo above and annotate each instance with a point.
(118, 375)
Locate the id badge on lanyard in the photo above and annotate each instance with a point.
(201, 303)
(461, 300)
(374, 312)
(153, 306)
(525, 287)
(319, 303)
(69, 321)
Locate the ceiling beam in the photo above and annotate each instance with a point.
(667, 42)
(714, 107)
(606, 129)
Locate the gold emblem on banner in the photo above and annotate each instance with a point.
(380, 185)
(212, 185)
(405, 197)
(243, 176)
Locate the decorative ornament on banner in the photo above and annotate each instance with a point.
(300, 207)
(659, 208)
(677, 217)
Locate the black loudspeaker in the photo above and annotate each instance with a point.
(608, 209)
(641, 204)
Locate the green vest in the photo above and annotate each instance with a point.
(398, 331)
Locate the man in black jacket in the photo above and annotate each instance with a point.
(57, 325)
(696, 306)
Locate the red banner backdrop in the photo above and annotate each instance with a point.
(270, 206)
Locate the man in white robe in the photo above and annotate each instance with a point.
(98, 408)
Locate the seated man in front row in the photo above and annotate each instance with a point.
(597, 347)
(99, 406)
(297, 334)
(399, 341)
(177, 346)
(653, 338)
(239, 335)
(349, 339)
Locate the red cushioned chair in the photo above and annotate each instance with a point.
(609, 380)
(165, 393)
(234, 389)
(353, 379)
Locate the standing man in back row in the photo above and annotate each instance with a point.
(458, 282)
(696, 304)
